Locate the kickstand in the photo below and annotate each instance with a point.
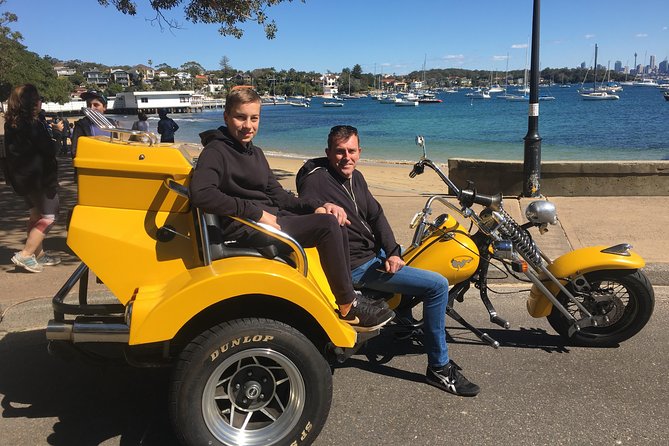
(485, 337)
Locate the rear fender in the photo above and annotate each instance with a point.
(579, 262)
(159, 312)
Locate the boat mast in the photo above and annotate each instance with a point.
(506, 73)
(525, 74)
(594, 79)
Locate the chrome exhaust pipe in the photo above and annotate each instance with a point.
(87, 329)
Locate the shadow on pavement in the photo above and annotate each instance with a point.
(383, 348)
(93, 403)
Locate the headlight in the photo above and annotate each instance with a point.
(541, 212)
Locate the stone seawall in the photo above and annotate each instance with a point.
(566, 178)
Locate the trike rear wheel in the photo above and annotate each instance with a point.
(253, 382)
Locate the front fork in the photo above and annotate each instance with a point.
(480, 280)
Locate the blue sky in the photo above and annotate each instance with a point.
(382, 36)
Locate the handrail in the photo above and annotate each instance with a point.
(300, 256)
(104, 123)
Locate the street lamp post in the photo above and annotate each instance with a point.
(532, 158)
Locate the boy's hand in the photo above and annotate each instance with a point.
(337, 211)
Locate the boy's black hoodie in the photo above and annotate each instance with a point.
(369, 230)
(233, 179)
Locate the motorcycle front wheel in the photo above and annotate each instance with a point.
(625, 296)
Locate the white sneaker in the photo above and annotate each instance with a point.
(28, 263)
(46, 259)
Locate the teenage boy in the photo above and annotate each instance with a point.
(376, 260)
(233, 178)
(84, 126)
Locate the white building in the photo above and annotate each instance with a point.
(329, 85)
(150, 101)
(64, 71)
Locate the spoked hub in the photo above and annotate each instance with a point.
(252, 387)
(252, 397)
(607, 300)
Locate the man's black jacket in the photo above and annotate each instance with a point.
(369, 230)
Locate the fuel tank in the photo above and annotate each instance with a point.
(447, 250)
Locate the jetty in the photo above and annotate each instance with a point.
(130, 103)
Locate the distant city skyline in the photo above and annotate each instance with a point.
(383, 37)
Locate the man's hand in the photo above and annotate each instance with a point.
(337, 211)
(269, 219)
(394, 264)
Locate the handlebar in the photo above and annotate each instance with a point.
(466, 197)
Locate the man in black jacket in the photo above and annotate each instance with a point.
(376, 259)
(233, 178)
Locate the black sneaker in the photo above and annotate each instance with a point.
(379, 303)
(364, 317)
(450, 379)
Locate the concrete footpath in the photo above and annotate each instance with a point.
(583, 221)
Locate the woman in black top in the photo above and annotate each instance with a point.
(33, 172)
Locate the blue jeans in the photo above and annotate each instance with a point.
(431, 286)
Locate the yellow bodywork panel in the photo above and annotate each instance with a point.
(576, 263)
(449, 251)
(121, 247)
(160, 311)
(130, 176)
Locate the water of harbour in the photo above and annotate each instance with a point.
(636, 127)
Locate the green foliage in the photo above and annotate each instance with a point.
(227, 13)
(193, 68)
(20, 66)
(77, 79)
(113, 89)
(163, 85)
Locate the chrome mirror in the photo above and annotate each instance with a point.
(420, 142)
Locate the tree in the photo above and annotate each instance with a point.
(193, 68)
(5, 31)
(226, 68)
(77, 79)
(20, 66)
(163, 85)
(227, 13)
(357, 71)
(113, 89)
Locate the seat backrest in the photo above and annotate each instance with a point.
(221, 248)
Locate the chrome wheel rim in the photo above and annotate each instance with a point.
(253, 398)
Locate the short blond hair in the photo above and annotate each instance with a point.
(240, 96)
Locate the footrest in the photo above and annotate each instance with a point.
(500, 321)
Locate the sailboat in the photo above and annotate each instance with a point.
(596, 95)
(505, 95)
(525, 90)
